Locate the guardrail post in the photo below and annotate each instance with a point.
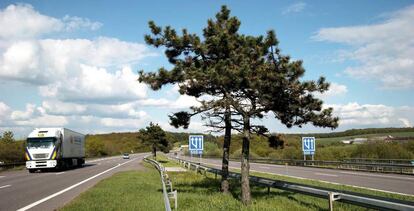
(173, 194)
(332, 197)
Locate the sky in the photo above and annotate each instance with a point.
(74, 63)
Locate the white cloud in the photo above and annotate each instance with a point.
(294, 8)
(123, 123)
(406, 122)
(80, 70)
(29, 113)
(126, 110)
(369, 115)
(69, 69)
(84, 84)
(22, 21)
(97, 85)
(61, 108)
(74, 23)
(383, 50)
(43, 121)
(87, 118)
(335, 89)
(194, 127)
(4, 112)
(182, 102)
(45, 61)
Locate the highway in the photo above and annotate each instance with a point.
(393, 183)
(51, 190)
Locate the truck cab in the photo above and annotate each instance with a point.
(54, 148)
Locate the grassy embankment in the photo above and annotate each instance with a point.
(132, 190)
(141, 190)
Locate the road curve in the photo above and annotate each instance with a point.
(51, 190)
(394, 183)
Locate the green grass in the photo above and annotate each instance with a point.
(327, 185)
(132, 190)
(197, 192)
(316, 183)
(334, 186)
(165, 161)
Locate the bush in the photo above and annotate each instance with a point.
(237, 154)
(382, 150)
(12, 152)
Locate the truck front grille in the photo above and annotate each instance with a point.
(41, 156)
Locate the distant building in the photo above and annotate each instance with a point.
(355, 141)
(183, 147)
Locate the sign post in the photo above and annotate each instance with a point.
(195, 145)
(308, 147)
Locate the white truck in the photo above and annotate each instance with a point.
(57, 148)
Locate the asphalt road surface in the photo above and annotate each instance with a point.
(394, 183)
(51, 190)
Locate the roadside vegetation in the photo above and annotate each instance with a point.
(327, 149)
(11, 150)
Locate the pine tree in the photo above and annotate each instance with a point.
(155, 137)
(247, 76)
(199, 70)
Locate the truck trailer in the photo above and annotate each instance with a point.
(54, 148)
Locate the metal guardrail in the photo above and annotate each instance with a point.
(164, 180)
(349, 165)
(371, 165)
(332, 195)
(11, 165)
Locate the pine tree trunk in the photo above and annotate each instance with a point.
(154, 151)
(245, 166)
(226, 152)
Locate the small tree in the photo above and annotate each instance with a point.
(8, 137)
(155, 137)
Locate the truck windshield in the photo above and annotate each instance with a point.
(40, 143)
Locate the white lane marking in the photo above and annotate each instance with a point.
(60, 173)
(334, 183)
(328, 175)
(69, 188)
(101, 159)
(2, 176)
(5, 186)
(91, 161)
(374, 175)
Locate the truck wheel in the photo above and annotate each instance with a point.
(32, 170)
(80, 162)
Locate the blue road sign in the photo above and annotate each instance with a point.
(195, 144)
(308, 145)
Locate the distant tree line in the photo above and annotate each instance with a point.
(11, 151)
(354, 132)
